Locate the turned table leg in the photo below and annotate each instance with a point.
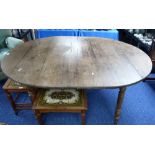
(119, 104)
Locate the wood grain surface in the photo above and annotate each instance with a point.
(76, 62)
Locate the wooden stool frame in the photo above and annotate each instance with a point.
(40, 109)
(21, 89)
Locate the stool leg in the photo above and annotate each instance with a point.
(17, 96)
(83, 117)
(31, 95)
(13, 104)
(38, 117)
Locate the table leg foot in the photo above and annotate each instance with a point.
(83, 117)
(38, 117)
(119, 104)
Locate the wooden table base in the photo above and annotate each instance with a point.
(119, 104)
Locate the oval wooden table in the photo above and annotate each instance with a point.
(78, 62)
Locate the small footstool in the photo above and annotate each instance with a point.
(14, 87)
(60, 100)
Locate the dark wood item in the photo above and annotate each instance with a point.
(13, 87)
(40, 107)
(76, 62)
(128, 37)
(152, 56)
(119, 104)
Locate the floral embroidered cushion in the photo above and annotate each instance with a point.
(61, 97)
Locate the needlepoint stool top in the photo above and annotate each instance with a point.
(10, 84)
(59, 98)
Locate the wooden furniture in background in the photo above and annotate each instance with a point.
(60, 100)
(128, 37)
(78, 62)
(11, 87)
(152, 56)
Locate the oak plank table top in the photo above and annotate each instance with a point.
(78, 62)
